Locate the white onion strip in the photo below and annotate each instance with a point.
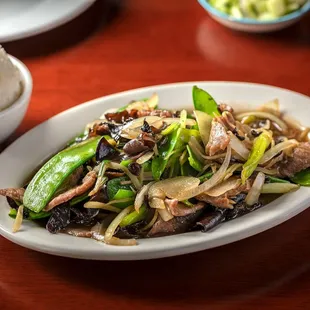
(277, 149)
(279, 188)
(215, 179)
(263, 115)
(144, 158)
(253, 194)
(165, 214)
(135, 181)
(152, 222)
(238, 146)
(141, 195)
(223, 187)
(114, 224)
(19, 219)
(267, 171)
(195, 147)
(105, 206)
(230, 171)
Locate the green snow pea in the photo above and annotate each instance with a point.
(204, 102)
(50, 177)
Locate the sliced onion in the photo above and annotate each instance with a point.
(238, 146)
(253, 194)
(278, 148)
(293, 122)
(279, 188)
(175, 186)
(114, 224)
(152, 222)
(214, 180)
(267, 171)
(230, 171)
(223, 187)
(135, 181)
(105, 206)
(204, 124)
(141, 195)
(271, 106)
(196, 148)
(19, 219)
(165, 214)
(144, 158)
(122, 242)
(264, 115)
(157, 203)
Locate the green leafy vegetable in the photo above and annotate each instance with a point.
(204, 102)
(193, 161)
(302, 177)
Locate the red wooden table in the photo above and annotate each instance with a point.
(145, 43)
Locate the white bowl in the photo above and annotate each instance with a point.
(19, 160)
(11, 117)
(253, 25)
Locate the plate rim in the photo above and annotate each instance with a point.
(119, 253)
(79, 7)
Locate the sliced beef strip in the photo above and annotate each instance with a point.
(219, 139)
(177, 208)
(14, 193)
(88, 181)
(299, 161)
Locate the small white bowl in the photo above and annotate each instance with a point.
(11, 117)
(253, 25)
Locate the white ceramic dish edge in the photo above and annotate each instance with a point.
(16, 29)
(277, 212)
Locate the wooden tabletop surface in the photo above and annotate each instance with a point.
(110, 49)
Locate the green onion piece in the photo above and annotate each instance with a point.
(193, 161)
(260, 145)
(134, 217)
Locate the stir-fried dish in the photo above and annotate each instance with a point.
(140, 171)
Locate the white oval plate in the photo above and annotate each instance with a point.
(22, 19)
(23, 156)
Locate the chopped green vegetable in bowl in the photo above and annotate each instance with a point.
(142, 171)
(257, 9)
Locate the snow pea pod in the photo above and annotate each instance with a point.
(50, 177)
(204, 102)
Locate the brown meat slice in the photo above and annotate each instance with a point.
(88, 181)
(14, 193)
(178, 225)
(219, 139)
(224, 200)
(299, 161)
(177, 208)
(220, 202)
